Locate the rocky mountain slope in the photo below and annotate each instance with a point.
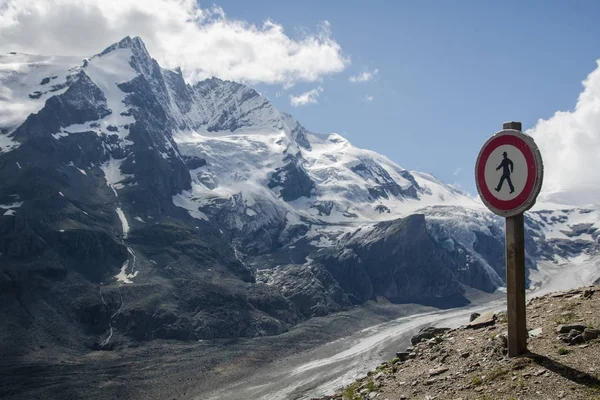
(471, 363)
(135, 206)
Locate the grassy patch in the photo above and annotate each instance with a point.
(350, 392)
(495, 374)
(562, 351)
(476, 380)
(593, 390)
(590, 324)
(564, 319)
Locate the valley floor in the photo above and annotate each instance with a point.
(303, 362)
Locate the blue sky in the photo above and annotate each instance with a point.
(449, 72)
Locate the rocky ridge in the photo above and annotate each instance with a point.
(470, 362)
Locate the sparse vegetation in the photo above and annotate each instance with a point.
(350, 392)
(593, 390)
(562, 351)
(496, 373)
(564, 319)
(590, 324)
(476, 380)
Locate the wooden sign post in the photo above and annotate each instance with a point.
(509, 174)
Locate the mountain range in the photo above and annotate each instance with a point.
(136, 206)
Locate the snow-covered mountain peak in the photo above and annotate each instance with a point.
(138, 55)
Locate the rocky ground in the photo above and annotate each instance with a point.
(470, 362)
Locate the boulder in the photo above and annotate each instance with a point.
(474, 316)
(427, 333)
(502, 341)
(590, 334)
(578, 339)
(486, 319)
(566, 328)
(437, 371)
(535, 332)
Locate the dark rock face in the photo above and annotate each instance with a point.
(292, 180)
(311, 289)
(323, 207)
(397, 260)
(194, 162)
(82, 101)
(299, 133)
(493, 248)
(382, 209)
(255, 236)
(386, 186)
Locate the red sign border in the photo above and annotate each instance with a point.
(526, 199)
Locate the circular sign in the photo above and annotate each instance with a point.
(509, 173)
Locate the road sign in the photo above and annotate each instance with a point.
(509, 172)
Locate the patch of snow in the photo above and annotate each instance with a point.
(61, 194)
(250, 212)
(61, 230)
(113, 174)
(21, 89)
(11, 206)
(123, 276)
(140, 219)
(186, 200)
(7, 143)
(124, 222)
(19, 165)
(60, 134)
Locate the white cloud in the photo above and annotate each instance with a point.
(203, 41)
(369, 98)
(570, 146)
(457, 171)
(305, 98)
(364, 76)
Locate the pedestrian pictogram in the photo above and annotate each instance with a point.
(509, 175)
(506, 171)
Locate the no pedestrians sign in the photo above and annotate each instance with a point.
(509, 172)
